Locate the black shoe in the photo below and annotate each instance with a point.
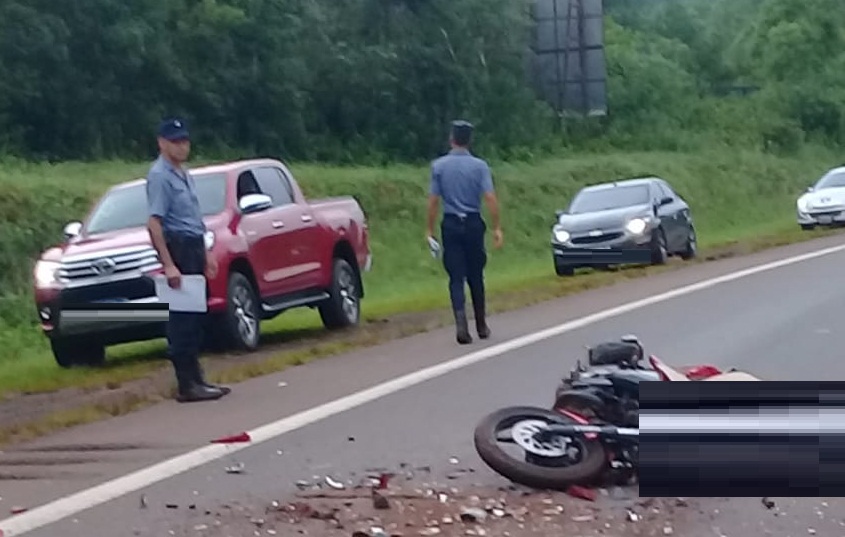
(225, 389)
(462, 329)
(199, 392)
(481, 324)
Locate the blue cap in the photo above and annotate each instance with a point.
(173, 129)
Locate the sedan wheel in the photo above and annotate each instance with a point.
(691, 249)
(659, 253)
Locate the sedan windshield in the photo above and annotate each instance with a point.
(832, 180)
(589, 201)
(126, 208)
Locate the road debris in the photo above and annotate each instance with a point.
(337, 485)
(405, 510)
(236, 468)
(240, 438)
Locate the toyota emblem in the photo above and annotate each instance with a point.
(104, 266)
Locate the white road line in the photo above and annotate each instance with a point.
(80, 501)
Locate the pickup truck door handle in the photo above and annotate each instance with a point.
(278, 223)
(306, 218)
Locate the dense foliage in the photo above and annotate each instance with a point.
(357, 80)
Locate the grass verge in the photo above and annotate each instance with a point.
(735, 196)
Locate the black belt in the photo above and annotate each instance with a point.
(182, 237)
(462, 217)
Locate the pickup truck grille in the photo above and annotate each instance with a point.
(134, 289)
(116, 265)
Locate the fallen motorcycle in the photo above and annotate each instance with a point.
(608, 388)
(593, 426)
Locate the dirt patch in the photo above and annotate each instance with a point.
(27, 416)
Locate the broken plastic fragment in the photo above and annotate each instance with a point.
(337, 485)
(235, 439)
(580, 492)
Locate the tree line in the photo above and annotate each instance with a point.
(378, 80)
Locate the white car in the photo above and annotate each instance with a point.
(824, 203)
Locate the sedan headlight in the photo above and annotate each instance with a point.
(560, 234)
(208, 237)
(803, 206)
(45, 273)
(636, 226)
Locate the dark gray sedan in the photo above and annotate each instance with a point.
(640, 221)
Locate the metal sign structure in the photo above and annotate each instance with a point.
(567, 62)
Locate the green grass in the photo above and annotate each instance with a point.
(735, 196)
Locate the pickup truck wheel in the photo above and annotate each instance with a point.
(343, 307)
(241, 322)
(73, 352)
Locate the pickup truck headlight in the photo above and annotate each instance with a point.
(560, 234)
(636, 226)
(208, 237)
(45, 273)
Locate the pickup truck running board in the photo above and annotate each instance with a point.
(294, 302)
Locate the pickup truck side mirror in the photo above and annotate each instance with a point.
(72, 229)
(254, 203)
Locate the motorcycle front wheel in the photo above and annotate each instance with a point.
(554, 465)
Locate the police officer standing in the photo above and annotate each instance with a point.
(177, 232)
(461, 180)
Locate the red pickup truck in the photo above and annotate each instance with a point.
(275, 251)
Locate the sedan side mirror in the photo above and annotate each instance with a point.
(72, 229)
(666, 200)
(810, 189)
(255, 203)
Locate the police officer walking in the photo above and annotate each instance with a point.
(177, 232)
(461, 179)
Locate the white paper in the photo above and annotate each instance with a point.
(434, 247)
(189, 297)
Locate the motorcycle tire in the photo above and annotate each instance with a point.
(592, 464)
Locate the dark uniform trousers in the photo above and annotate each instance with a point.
(185, 329)
(464, 257)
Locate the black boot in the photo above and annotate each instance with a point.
(481, 322)
(191, 391)
(462, 328)
(199, 378)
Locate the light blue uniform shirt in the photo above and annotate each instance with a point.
(460, 179)
(172, 196)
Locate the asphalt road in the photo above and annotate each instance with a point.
(779, 324)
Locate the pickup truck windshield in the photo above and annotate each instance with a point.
(126, 208)
(589, 201)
